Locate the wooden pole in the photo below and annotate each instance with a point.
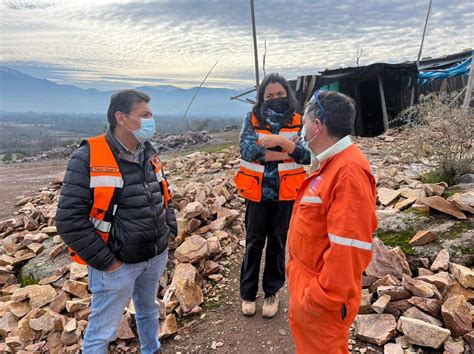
(382, 102)
(255, 50)
(412, 99)
(467, 98)
(424, 33)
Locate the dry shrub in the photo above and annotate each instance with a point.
(439, 134)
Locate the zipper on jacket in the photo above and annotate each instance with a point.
(150, 197)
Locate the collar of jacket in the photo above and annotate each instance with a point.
(332, 151)
(149, 151)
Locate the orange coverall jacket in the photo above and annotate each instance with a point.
(330, 245)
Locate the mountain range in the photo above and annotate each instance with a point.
(20, 92)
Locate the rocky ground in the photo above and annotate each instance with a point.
(418, 290)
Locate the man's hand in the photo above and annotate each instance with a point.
(271, 140)
(114, 266)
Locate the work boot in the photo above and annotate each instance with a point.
(248, 308)
(270, 306)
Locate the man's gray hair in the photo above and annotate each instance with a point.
(335, 110)
(124, 101)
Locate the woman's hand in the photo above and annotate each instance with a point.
(276, 156)
(271, 140)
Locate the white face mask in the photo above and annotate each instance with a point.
(303, 137)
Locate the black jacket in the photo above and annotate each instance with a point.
(141, 226)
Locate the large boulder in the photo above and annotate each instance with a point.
(432, 306)
(441, 280)
(168, 326)
(441, 261)
(187, 284)
(43, 265)
(385, 261)
(440, 204)
(457, 316)
(423, 333)
(192, 250)
(463, 274)
(414, 312)
(377, 328)
(193, 210)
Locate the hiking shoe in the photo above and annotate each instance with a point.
(248, 308)
(270, 306)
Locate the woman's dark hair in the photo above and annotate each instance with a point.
(272, 79)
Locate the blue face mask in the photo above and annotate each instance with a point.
(146, 131)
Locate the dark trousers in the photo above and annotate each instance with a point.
(265, 221)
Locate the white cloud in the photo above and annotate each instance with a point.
(132, 42)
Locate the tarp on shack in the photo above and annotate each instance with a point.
(458, 69)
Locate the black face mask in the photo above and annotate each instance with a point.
(278, 105)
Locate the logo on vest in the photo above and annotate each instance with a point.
(104, 169)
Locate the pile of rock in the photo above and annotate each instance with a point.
(426, 218)
(171, 142)
(424, 197)
(51, 313)
(162, 142)
(407, 314)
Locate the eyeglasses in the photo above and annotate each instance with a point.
(315, 99)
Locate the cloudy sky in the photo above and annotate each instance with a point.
(118, 43)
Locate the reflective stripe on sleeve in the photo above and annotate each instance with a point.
(106, 181)
(345, 241)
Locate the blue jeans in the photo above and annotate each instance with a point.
(111, 292)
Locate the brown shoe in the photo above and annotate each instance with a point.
(270, 306)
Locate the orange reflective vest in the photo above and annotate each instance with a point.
(249, 178)
(106, 183)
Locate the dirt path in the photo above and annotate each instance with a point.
(231, 331)
(19, 180)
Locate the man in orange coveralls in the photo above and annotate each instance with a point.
(330, 235)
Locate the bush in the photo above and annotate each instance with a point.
(8, 157)
(439, 134)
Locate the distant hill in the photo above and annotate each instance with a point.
(20, 92)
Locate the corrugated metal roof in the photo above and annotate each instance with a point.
(444, 62)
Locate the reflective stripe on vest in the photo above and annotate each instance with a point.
(249, 178)
(106, 181)
(289, 166)
(101, 225)
(252, 166)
